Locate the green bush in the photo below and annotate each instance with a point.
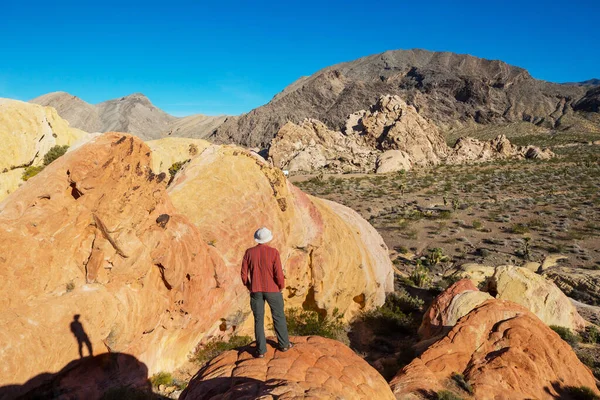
(436, 256)
(519, 229)
(420, 275)
(477, 224)
(592, 335)
(566, 334)
(394, 314)
(213, 348)
(30, 172)
(462, 382)
(581, 393)
(447, 395)
(162, 378)
(307, 323)
(54, 153)
(174, 169)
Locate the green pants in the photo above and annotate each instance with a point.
(257, 303)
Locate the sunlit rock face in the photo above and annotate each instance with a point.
(315, 368)
(504, 351)
(27, 132)
(96, 251)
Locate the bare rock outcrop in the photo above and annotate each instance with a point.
(311, 146)
(315, 368)
(27, 132)
(96, 235)
(467, 150)
(390, 136)
(391, 124)
(536, 293)
(503, 351)
(332, 257)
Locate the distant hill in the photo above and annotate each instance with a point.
(589, 82)
(134, 114)
(452, 90)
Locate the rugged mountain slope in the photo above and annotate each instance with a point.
(80, 114)
(133, 114)
(452, 90)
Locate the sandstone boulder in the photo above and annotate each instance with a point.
(393, 161)
(539, 295)
(228, 193)
(581, 284)
(454, 303)
(477, 273)
(315, 368)
(503, 351)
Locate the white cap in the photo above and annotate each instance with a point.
(263, 235)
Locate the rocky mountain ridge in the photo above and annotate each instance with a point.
(133, 114)
(452, 90)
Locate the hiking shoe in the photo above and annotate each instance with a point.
(284, 349)
(258, 355)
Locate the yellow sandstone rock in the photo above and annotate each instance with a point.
(168, 151)
(27, 132)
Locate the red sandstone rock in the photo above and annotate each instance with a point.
(315, 368)
(452, 304)
(504, 351)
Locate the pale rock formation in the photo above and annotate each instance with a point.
(468, 150)
(228, 193)
(477, 273)
(27, 132)
(311, 146)
(393, 161)
(504, 351)
(581, 284)
(315, 368)
(539, 295)
(391, 124)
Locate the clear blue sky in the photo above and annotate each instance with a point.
(229, 57)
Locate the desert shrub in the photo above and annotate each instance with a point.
(174, 169)
(519, 229)
(462, 382)
(477, 224)
(581, 393)
(447, 395)
(394, 314)
(566, 334)
(436, 256)
(420, 276)
(308, 322)
(54, 153)
(592, 335)
(162, 378)
(215, 347)
(30, 172)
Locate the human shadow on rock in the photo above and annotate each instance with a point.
(106, 376)
(81, 336)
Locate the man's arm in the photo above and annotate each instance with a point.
(244, 272)
(278, 271)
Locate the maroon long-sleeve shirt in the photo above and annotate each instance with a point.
(261, 269)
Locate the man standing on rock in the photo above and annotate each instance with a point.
(263, 276)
